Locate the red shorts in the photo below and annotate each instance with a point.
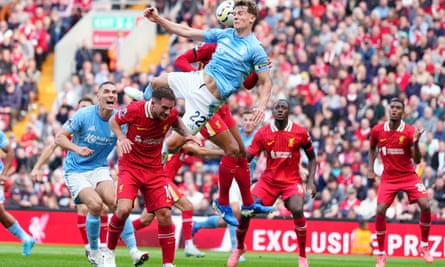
(221, 121)
(268, 193)
(414, 188)
(151, 182)
(175, 191)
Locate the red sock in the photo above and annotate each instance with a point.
(137, 224)
(168, 242)
(380, 227)
(242, 177)
(81, 224)
(114, 231)
(425, 224)
(300, 228)
(103, 228)
(241, 232)
(227, 169)
(187, 224)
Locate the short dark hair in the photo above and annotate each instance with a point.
(398, 100)
(105, 83)
(164, 92)
(85, 99)
(251, 5)
(247, 112)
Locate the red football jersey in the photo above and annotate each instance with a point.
(282, 150)
(146, 133)
(395, 150)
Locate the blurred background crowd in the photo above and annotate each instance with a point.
(338, 62)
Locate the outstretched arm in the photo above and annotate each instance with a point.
(36, 175)
(151, 13)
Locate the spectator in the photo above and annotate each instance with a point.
(368, 206)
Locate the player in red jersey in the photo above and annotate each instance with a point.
(398, 145)
(140, 168)
(222, 130)
(281, 141)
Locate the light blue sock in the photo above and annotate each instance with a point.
(148, 91)
(232, 233)
(18, 231)
(211, 222)
(127, 235)
(93, 230)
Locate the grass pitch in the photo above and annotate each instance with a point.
(74, 256)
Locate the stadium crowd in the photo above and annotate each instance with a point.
(338, 62)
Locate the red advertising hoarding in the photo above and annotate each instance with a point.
(324, 237)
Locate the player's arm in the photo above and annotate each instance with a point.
(151, 13)
(372, 155)
(184, 61)
(181, 129)
(125, 143)
(417, 156)
(312, 165)
(9, 157)
(202, 152)
(264, 91)
(36, 175)
(63, 140)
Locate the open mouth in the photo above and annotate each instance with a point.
(110, 102)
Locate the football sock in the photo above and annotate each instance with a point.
(210, 222)
(127, 235)
(232, 233)
(137, 224)
(300, 228)
(148, 91)
(166, 235)
(242, 177)
(18, 231)
(227, 169)
(241, 231)
(114, 231)
(187, 224)
(93, 230)
(425, 224)
(103, 228)
(380, 227)
(81, 225)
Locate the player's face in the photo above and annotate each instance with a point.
(248, 123)
(242, 18)
(107, 96)
(281, 110)
(162, 108)
(396, 111)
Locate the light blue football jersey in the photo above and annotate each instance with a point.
(90, 130)
(234, 59)
(4, 142)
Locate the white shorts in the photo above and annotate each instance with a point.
(235, 193)
(200, 104)
(2, 194)
(76, 182)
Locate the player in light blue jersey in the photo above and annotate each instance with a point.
(87, 172)
(7, 220)
(237, 54)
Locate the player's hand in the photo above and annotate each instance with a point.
(151, 13)
(84, 151)
(36, 175)
(417, 134)
(371, 175)
(258, 115)
(126, 145)
(193, 139)
(311, 189)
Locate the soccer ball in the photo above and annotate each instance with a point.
(224, 13)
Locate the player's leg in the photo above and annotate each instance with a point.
(82, 211)
(295, 205)
(13, 226)
(166, 235)
(144, 220)
(186, 208)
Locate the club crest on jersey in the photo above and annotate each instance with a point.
(165, 128)
(291, 142)
(122, 112)
(401, 140)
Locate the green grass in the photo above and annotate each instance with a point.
(73, 256)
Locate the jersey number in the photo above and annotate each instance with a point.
(198, 119)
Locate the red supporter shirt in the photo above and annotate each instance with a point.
(395, 151)
(146, 133)
(282, 149)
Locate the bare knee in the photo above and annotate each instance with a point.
(232, 150)
(160, 81)
(95, 207)
(164, 216)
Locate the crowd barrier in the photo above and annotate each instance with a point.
(265, 235)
